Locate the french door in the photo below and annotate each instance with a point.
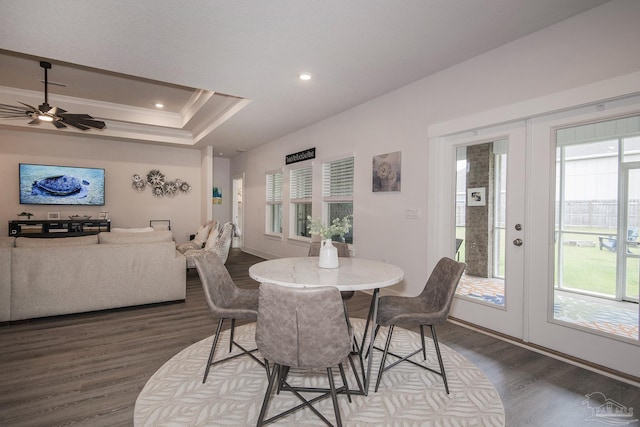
(583, 291)
(487, 232)
(553, 260)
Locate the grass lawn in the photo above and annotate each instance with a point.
(587, 268)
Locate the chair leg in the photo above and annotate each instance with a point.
(275, 373)
(344, 382)
(213, 350)
(384, 357)
(283, 377)
(375, 334)
(424, 352)
(334, 398)
(233, 327)
(435, 343)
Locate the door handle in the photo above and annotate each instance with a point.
(518, 242)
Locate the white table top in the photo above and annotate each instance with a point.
(353, 274)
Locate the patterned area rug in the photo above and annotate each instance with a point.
(233, 393)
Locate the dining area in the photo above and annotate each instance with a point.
(306, 360)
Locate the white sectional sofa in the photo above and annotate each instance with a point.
(46, 277)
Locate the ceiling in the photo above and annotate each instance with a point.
(227, 71)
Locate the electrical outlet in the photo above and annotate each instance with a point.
(412, 213)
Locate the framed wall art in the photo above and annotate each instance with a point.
(387, 172)
(476, 196)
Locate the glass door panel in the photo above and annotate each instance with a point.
(632, 245)
(487, 216)
(596, 253)
(481, 171)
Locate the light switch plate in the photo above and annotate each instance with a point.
(412, 213)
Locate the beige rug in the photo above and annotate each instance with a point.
(233, 393)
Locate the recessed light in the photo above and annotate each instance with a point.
(159, 105)
(304, 76)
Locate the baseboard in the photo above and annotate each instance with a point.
(593, 367)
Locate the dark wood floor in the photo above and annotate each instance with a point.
(87, 369)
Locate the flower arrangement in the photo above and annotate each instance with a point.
(339, 227)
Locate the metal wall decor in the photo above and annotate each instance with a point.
(160, 187)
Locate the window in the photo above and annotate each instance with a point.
(337, 191)
(597, 222)
(300, 194)
(274, 203)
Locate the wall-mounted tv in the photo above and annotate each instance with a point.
(61, 185)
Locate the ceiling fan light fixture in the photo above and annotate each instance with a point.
(45, 113)
(45, 118)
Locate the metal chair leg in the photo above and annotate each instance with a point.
(384, 357)
(344, 382)
(437, 346)
(375, 334)
(424, 352)
(334, 398)
(275, 373)
(233, 327)
(213, 350)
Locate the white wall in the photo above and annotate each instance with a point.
(599, 44)
(126, 206)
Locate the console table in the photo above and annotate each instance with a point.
(58, 228)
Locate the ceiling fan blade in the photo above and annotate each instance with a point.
(78, 125)
(59, 117)
(31, 107)
(82, 119)
(6, 108)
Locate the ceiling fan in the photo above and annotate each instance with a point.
(45, 113)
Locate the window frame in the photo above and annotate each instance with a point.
(273, 200)
(343, 193)
(297, 197)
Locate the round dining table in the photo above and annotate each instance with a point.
(352, 274)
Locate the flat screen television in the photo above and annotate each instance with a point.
(61, 185)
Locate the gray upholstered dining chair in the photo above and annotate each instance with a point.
(225, 301)
(343, 249)
(430, 308)
(302, 328)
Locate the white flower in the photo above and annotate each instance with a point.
(338, 227)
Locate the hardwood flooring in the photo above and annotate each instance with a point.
(87, 369)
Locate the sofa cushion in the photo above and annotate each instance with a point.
(31, 242)
(123, 238)
(132, 230)
(7, 242)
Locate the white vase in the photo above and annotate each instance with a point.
(328, 255)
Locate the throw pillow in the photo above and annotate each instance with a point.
(202, 234)
(211, 240)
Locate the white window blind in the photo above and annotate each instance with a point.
(300, 185)
(274, 187)
(337, 180)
